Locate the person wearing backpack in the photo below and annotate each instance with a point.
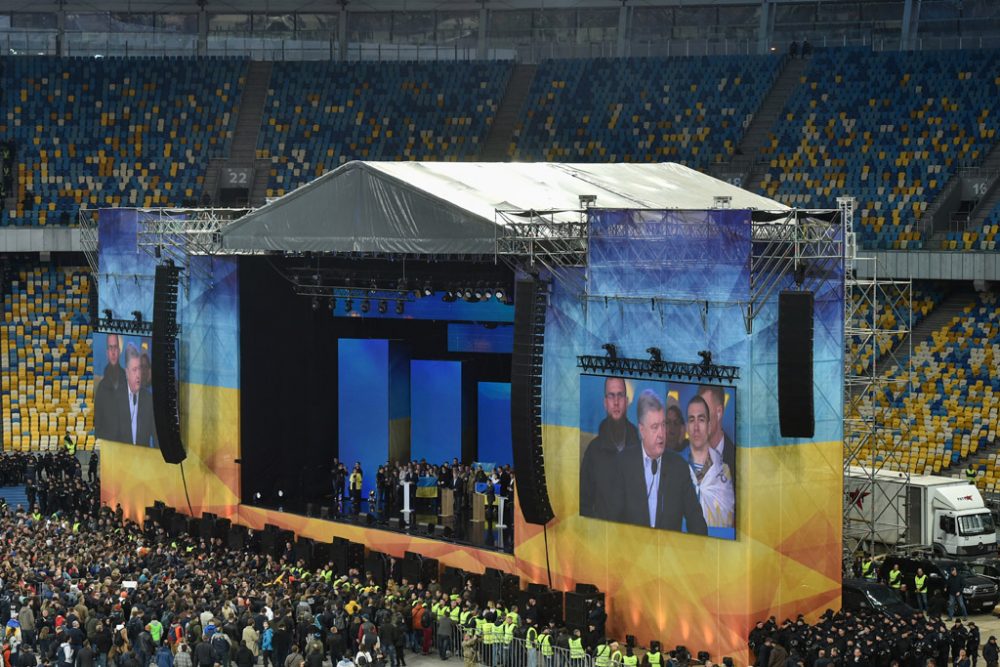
(220, 648)
(427, 627)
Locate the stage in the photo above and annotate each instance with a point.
(350, 320)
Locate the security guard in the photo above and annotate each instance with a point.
(602, 654)
(653, 656)
(895, 577)
(531, 642)
(868, 568)
(546, 645)
(920, 587)
(576, 652)
(630, 659)
(616, 655)
(970, 473)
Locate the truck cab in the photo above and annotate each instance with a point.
(962, 526)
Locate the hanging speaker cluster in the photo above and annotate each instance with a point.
(795, 364)
(166, 406)
(526, 401)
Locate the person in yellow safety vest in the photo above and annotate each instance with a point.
(630, 659)
(531, 643)
(506, 636)
(456, 612)
(602, 654)
(920, 588)
(970, 473)
(546, 646)
(653, 656)
(489, 638)
(576, 652)
(513, 614)
(895, 576)
(868, 568)
(616, 655)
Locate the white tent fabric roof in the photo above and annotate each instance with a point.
(450, 207)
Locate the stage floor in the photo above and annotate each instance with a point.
(452, 529)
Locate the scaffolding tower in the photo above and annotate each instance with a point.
(878, 317)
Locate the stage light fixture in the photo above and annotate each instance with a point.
(428, 288)
(488, 294)
(315, 303)
(655, 354)
(382, 307)
(467, 293)
(479, 292)
(706, 357)
(611, 350)
(449, 296)
(137, 316)
(499, 294)
(333, 303)
(108, 315)
(372, 287)
(399, 307)
(366, 306)
(349, 305)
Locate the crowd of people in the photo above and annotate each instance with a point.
(870, 639)
(80, 586)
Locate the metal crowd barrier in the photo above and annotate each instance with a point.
(516, 653)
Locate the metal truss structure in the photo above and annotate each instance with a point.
(806, 244)
(652, 368)
(877, 348)
(170, 233)
(127, 327)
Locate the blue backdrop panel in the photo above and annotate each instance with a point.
(436, 410)
(363, 405)
(477, 338)
(494, 423)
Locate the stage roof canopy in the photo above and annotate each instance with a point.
(432, 208)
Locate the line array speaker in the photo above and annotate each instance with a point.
(166, 412)
(526, 401)
(795, 364)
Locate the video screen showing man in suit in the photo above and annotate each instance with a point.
(123, 402)
(670, 477)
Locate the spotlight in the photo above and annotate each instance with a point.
(349, 305)
(365, 306)
(488, 294)
(449, 296)
(372, 287)
(655, 354)
(499, 294)
(315, 303)
(706, 357)
(467, 293)
(399, 307)
(612, 351)
(479, 292)
(382, 307)
(428, 289)
(137, 316)
(108, 315)
(281, 494)
(257, 496)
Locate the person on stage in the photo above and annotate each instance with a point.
(355, 482)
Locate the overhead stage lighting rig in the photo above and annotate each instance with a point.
(656, 367)
(130, 327)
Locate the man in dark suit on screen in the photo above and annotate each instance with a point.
(599, 492)
(135, 415)
(655, 485)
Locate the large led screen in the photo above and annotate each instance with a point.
(123, 397)
(658, 454)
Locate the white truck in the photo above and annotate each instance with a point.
(944, 513)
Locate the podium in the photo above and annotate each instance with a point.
(478, 507)
(407, 510)
(500, 507)
(447, 503)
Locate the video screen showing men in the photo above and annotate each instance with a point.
(655, 454)
(123, 402)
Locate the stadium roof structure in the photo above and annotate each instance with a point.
(459, 208)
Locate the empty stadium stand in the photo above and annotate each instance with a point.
(690, 110)
(45, 358)
(889, 129)
(113, 132)
(949, 411)
(319, 115)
